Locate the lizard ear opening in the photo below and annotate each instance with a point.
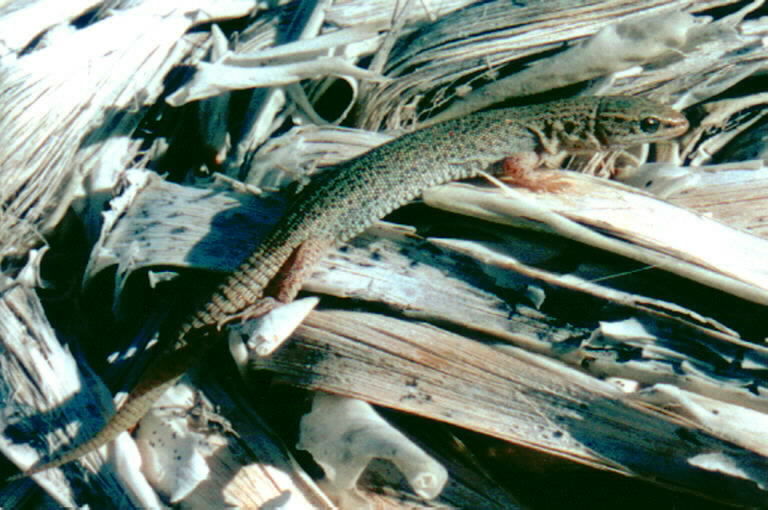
(650, 125)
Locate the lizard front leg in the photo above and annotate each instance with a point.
(520, 170)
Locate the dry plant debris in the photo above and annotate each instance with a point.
(616, 326)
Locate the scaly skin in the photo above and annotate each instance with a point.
(343, 202)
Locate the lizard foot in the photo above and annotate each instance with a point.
(255, 310)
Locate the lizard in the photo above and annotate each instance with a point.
(342, 202)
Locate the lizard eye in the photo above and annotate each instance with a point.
(650, 125)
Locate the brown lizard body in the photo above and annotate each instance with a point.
(341, 203)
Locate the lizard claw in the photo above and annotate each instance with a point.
(253, 311)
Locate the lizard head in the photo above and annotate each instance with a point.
(625, 121)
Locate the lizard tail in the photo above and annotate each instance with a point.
(159, 376)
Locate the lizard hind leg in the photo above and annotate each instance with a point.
(287, 282)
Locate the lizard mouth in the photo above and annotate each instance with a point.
(677, 127)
